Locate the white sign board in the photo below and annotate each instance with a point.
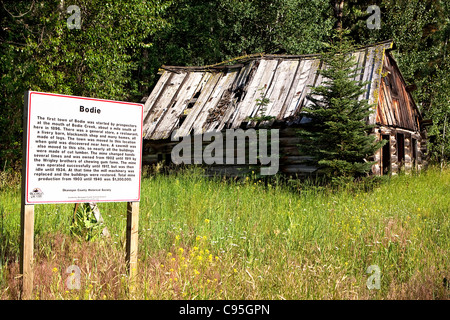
(82, 149)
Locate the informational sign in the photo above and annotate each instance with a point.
(82, 149)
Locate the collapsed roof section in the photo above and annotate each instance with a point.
(204, 99)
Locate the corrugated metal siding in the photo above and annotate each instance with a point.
(226, 97)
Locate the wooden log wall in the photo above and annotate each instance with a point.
(292, 162)
(410, 162)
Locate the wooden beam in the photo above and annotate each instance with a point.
(426, 122)
(26, 220)
(26, 250)
(132, 239)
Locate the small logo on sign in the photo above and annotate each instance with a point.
(36, 193)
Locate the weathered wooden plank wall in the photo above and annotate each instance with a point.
(205, 94)
(396, 107)
(228, 94)
(163, 102)
(291, 161)
(172, 117)
(305, 75)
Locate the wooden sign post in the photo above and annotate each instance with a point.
(26, 250)
(76, 150)
(132, 241)
(26, 222)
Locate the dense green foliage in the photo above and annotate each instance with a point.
(336, 134)
(206, 32)
(102, 59)
(121, 44)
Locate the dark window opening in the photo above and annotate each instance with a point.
(392, 85)
(400, 149)
(168, 158)
(386, 155)
(414, 152)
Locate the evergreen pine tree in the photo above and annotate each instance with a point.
(337, 137)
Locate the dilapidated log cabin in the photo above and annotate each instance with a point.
(218, 97)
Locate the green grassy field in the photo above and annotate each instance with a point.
(215, 239)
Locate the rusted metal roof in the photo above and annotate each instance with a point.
(203, 99)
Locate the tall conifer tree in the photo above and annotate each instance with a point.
(336, 133)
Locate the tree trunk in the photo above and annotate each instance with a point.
(338, 7)
(443, 143)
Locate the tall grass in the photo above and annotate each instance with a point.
(218, 239)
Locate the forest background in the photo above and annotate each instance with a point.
(120, 45)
